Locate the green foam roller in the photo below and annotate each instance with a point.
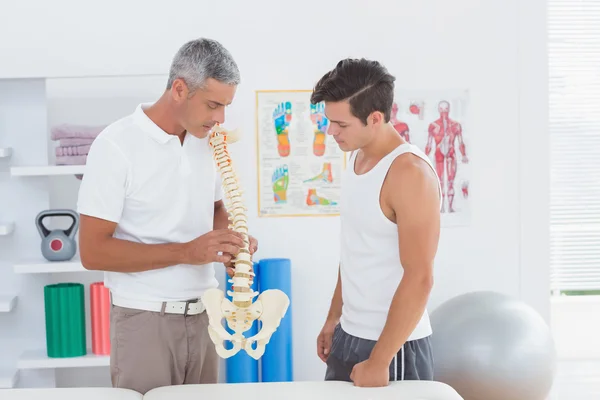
(65, 320)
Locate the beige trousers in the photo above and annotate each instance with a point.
(153, 349)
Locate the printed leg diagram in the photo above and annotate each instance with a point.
(320, 123)
(280, 179)
(325, 175)
(282, 116)
(442, 135)
(465, 189)
(313, 199)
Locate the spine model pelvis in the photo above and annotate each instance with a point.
(270, 306)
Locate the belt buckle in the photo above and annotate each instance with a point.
(187, 306)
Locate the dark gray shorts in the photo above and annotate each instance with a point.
(414, 361)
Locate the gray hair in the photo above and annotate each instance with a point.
(201, 59)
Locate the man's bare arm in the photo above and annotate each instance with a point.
(416, 203)
(99, 250)
(325, 338)
(335, 308)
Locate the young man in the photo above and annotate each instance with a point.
(378, 328)
(152, 217)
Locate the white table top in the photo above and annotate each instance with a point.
(86, 393)
(305, 390)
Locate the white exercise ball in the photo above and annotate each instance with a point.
(489, 346)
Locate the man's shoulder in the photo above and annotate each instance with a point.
(410, 162)
(411, 168)
(123, 134)
(119, 130)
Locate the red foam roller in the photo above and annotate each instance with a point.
(100, 305)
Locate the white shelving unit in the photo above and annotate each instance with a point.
(48, 267)
(28, 186)
(5, 152)
(48, 170)
(7, 303)
(8, 378)
(6, 228)
(38, 359)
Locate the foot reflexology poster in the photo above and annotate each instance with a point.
(299, 165)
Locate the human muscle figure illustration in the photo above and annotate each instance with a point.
(399, 126)
(444, 132)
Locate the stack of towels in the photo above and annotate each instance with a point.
(74, 142)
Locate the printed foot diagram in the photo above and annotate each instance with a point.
(313, 199)
(282, 116)
(320, 123)
(325, 175)
(280, 181)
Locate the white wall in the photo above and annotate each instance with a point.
(576, 333)
(427, 45)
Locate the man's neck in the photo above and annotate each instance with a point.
(162, 115)
(385, 141)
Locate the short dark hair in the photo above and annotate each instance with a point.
(366, 84)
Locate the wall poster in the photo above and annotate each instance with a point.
(436, 121)
(299, 165)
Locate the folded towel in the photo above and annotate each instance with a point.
(75, 142)
(71, 160)
(73, 150)
(75, 131)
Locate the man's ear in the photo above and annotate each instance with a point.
(179, 90)
(376, 118)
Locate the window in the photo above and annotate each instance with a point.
(574, 69)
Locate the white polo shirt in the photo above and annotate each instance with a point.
(158, 191)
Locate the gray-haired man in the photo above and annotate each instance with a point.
(153, 219)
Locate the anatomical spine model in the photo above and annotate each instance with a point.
(271, 305)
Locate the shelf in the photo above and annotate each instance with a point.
(43, 266)
(7, 303)
(38, 359)
(8, 378)
(5, 152)
(6, 228)
(49, 170)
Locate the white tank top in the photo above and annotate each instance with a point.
(370, 268)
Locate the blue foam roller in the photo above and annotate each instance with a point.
(277, 362)
(241, 368)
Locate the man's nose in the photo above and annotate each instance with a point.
(219, 116)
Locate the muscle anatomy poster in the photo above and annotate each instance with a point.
(437, 123)
(299, 166)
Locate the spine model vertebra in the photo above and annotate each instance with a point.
(271, 305)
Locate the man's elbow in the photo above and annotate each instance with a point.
(88, 262)
(420, 279)
(89, 258)
(427, 282)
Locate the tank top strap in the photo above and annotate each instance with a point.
(386, 162)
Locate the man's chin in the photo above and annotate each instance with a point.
(201, 132)
(343, 146)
